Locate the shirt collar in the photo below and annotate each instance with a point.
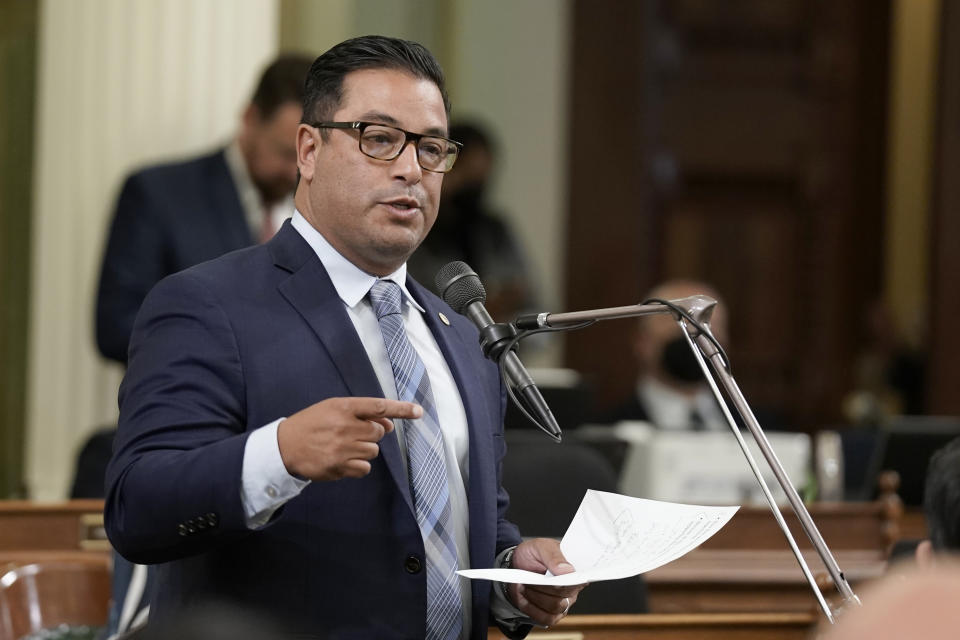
(237, 165)
(351, 282)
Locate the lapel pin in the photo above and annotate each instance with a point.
(443, 318)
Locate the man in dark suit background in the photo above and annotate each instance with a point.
(173, 216)
(941, 506)
(269, 433)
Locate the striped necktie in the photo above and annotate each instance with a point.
(425, 466)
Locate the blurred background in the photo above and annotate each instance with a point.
(799, 156)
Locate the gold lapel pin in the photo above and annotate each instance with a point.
(443, 319)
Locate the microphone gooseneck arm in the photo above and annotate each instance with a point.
(693, 315)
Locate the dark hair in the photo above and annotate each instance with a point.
(282, 82)
(324, 87)
(941, 500)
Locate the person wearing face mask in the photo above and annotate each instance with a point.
(671, 392)
(468, 230)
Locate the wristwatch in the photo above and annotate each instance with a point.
(507, 563)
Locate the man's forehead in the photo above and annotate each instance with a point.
(393, 96)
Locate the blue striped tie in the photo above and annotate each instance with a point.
(426, 470)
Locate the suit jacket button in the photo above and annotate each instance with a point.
(412, 564)
(182, 529)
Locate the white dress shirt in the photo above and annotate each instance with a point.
(667, 408)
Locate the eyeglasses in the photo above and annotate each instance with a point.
(383, 142)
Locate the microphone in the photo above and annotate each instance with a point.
(461, 288)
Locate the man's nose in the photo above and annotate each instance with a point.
(407, 166)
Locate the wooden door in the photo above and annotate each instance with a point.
(740, 143)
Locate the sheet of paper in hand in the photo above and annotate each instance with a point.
(614, 536)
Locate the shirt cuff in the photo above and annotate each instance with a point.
(266, 483)
(506, 615)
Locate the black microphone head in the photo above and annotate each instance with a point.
(459, 286)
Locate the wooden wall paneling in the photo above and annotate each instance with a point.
(944, 339)
(18, 62)
(611, 242)
(841, 271)
(762, 138)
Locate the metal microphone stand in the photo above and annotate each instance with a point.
(700, 308)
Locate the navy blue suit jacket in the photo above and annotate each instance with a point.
(228, 346)
(168, 217)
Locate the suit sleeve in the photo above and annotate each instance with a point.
(510, 620)
(507, 533)
(174, 482)
(133, 262)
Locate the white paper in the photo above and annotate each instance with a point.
(614, 536)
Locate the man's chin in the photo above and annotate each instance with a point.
(394, 254)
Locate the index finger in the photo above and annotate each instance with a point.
(375, 408)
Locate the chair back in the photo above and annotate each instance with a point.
(546, 482)
(46, 595)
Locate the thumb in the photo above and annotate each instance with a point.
(550, 555)
(558, 564)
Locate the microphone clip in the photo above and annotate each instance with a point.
(495, 337)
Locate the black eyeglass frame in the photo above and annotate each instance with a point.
(361, 126)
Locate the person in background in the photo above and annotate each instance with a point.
(890, 371)
(173, 216)
(941, 505)
(671, 392)
(469, 230)
(307, 431)
(941, 508)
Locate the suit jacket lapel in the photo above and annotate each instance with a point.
(310, 291)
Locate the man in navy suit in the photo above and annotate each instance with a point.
(173, 216)
(262, 457)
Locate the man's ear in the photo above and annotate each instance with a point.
(925, 555)
(251, 117)
(308, 142)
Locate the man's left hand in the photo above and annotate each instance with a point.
(545, 605)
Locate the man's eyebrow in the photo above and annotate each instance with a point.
(378, 116)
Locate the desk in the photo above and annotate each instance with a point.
(747, 626)
(914, 524)
(748, 566)
(76, 525)
(44, 532)
(843, 525)
(731, 581)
